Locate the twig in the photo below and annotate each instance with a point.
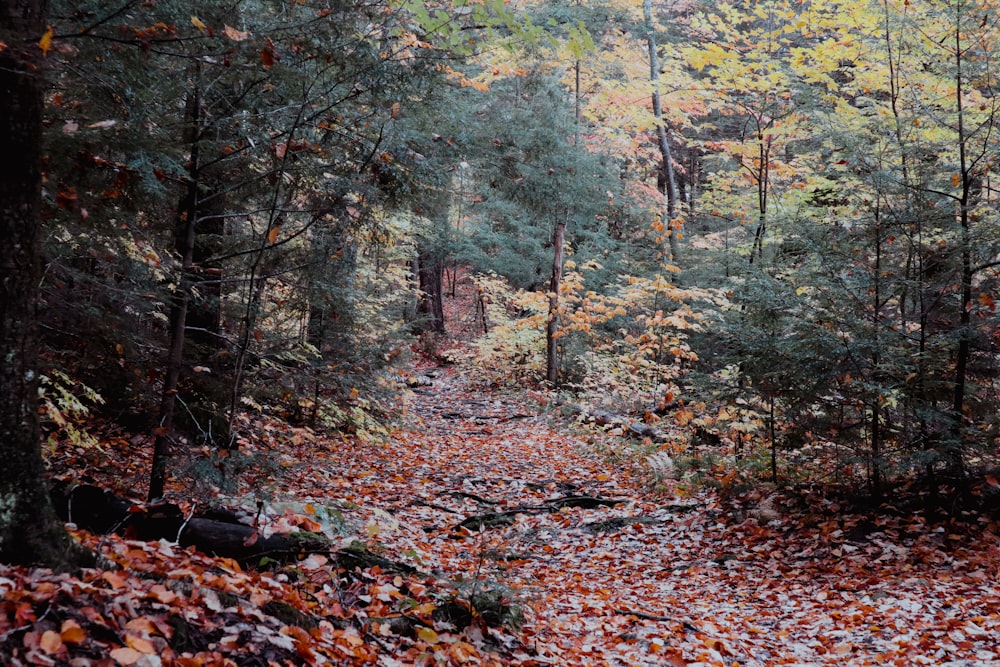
(442, 508)
(687, 625)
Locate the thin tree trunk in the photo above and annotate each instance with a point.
(876, 407)
(667, 182)
(184, 243)
(552, 328)
(956, 453)
(773, 435)
(30, 532)
(763, 178)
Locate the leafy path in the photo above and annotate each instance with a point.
(656, 581)
(479, 497)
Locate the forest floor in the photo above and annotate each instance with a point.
(512, 537)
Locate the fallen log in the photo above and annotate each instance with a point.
(586, 502)
(246, 545)
(628, 426)
(620, 522)
(357, 556)
(102, 512)
(489, 520)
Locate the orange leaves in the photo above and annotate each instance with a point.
(117, 580)
(234, 34)
(126, 655)
(161, 594)
(50, 642)
(751, 578)
(272, 234)
(71, 632)
(45, 43)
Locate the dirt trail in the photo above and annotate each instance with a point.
(654, 581)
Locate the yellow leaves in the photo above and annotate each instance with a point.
(45, 43)
(428, 635)
(710, 55)
(197, 23)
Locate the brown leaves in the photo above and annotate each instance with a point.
(268, 55)
(661, 582)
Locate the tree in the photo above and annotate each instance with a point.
(264, 157)
(30, 532)
(666, 180)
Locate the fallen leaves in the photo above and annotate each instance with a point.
(613, 576)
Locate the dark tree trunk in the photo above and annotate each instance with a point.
(204, 343)
(184, 243)
(30, 532)
(955, 454)
(204, 330)
(430, 273)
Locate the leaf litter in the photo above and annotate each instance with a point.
(648, 579)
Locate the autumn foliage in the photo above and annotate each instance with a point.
(577, 333)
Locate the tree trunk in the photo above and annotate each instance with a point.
(204, 322)
(184, 243)
(430, 274)
(956, 454)
(30, 532)
(551, 348)
(667, 180)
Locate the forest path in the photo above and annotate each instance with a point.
(657, 580)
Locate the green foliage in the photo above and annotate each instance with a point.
(838, 222)
(525, 175)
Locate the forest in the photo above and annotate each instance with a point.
(409, 331)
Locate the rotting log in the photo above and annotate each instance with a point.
(100, 511)
(629, 427)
